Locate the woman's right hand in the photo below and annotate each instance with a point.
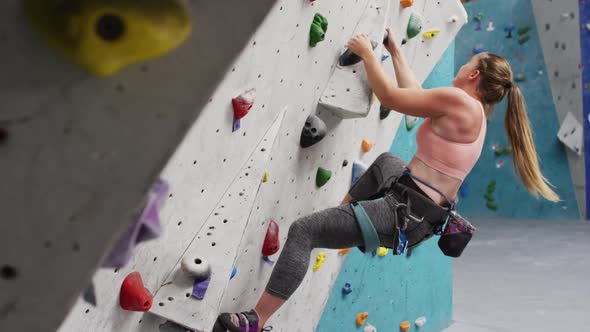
(391, 45)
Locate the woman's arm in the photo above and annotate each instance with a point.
(412, 101)
(404, 75)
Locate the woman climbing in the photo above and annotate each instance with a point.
(390, 204)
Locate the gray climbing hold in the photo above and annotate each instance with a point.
(89, 295)
(349, 58)
(314, 131)
(411, 122)
(414, 26)
(383, 112)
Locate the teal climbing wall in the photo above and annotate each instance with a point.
(512, 200)
(393, 288)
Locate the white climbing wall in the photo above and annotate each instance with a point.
(222, 158)
(218, 209)
(82, 151)
(558, 25)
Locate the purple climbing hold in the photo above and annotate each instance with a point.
(267, 260)
(200, 288)
(145, 227)
(236, 126)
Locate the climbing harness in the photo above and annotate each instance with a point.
(416, 219)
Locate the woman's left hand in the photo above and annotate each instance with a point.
(361, 46)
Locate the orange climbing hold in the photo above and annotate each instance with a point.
(366, 146)
(404, 326)
(344, 251)
(407, 3)
(361, 317)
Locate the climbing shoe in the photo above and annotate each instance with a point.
(245, 321)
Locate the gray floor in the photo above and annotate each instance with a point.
(523, 275)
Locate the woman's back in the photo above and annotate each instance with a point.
(448, 148)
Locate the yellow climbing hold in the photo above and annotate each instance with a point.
(344, 251)
(382, 251)
(404, 326)
(104, 36)
(319, 261)
(361, 317)
(366, 146)
(430, 33)
(265, 177)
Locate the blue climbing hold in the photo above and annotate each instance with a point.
(464, 190)
(233, 273)
(358, 168)
(478, 49)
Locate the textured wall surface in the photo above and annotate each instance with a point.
(512, 200)
(393, 288)
(558, 26)
(585, 54)
(82, 152)
(217, 207)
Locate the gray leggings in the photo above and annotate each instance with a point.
(337, 228)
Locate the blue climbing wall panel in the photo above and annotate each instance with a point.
(511, 198)
(393, 288)
(585, 46)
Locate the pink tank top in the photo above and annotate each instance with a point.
(451, 158)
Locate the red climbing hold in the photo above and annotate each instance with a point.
(243, 103)
(272, 243)
(134, 296)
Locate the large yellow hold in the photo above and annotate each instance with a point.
(104, 36)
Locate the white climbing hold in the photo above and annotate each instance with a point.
(490, 26)
(196, 267)
(588, 26)
(453, 19)
(420, 321)
(370, 328)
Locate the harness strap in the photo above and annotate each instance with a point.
(370, 236)
(452, 204)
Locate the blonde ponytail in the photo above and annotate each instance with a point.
(524, 153)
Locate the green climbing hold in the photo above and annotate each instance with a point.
(489, 197)
(478, 17)
(523, 39)
(503, 151)
(520, 77)
(318, 29)
(322, 176)
(491, 206)
(411, 122)
(523, 30)
(414, 25)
